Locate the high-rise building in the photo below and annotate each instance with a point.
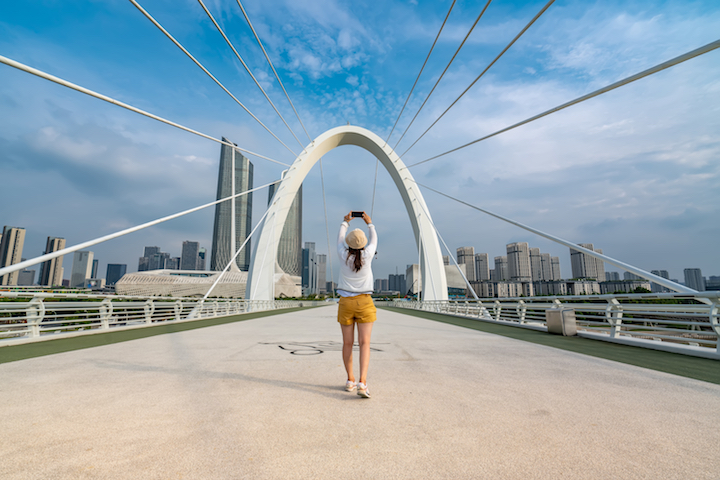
(289, 255)
(158, 261)
(189, 256)
(309, 270)
(26, 277)
(555, 266)
(95, 266)
(172, 263)
(518, 259)
(321, 272)
(82, 269)
(466, 256)
(546, 267)
(631, 276)
(587, 266)
(396, 283)
(202, 254)
(413, 279)
(223, 249)
(446, 259)
(536, 272)
(482, 267)
(115, 272)
(51, 271)
(501, 269)
(612, 277)
(657, 288)
(144, 261)
(11, 246)
(381, 285)
(694, 279)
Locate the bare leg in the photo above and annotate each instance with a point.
(364, 331)
(348, 334)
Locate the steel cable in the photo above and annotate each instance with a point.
(167, 34)
(248, 71)
(444, 71)
(25, 68)
(650, 71)
(483, 72)
(247, 19)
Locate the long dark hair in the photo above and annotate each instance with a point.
(356, 255)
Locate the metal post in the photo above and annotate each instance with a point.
(106, 309)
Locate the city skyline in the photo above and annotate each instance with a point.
(633, 171)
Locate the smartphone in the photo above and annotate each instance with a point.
(357, 214)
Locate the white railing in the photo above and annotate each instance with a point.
(675, 322)
(29, 316)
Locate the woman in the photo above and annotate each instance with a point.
(356, 306)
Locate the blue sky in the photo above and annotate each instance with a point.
(634, 171)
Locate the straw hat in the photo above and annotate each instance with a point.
(356, 239)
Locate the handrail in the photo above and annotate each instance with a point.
(33, 316)
(677, 322)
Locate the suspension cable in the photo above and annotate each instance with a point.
(248, 71)
(372, 204)
(443, 73)
(377, 162)
(647, 275)
(650, 71)
(421, 70)
(327, 231)
(65, 83)
(105, 238)
(272, 67)
(483, 72)
(167, 34)
(217, 280)
(450, 255)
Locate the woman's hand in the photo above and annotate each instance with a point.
(367, 218)
(348, 217)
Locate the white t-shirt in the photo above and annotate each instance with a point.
(352, 283)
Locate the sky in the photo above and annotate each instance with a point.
(635, 171)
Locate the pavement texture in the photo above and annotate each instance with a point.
(264, 398)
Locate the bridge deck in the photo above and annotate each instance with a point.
(264, 398)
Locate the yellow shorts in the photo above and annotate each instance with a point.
(359, 308)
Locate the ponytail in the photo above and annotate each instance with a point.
(356, 255)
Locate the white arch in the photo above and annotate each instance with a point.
(261, 277)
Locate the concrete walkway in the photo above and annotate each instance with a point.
(264, 398)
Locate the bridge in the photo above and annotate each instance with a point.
(206, 386)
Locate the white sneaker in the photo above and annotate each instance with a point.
(363, 390)
(350, 386)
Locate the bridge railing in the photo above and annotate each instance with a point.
(36, 315)
(680, 323)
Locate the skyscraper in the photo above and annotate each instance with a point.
(501, 269)
(309, 269)
(322, 273)
(587, 266)
(189, 256)
(82, 269)
(546, 267)
(289, 255)
(466, 255)
(518, 259)
(656, 288)
(555, 267)
(115, 272)
(482, 267)
(536, 265)
(694, 279)
(223, 246)
(11, 246)
(396, 283)
(51, 271)
(202, 254)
